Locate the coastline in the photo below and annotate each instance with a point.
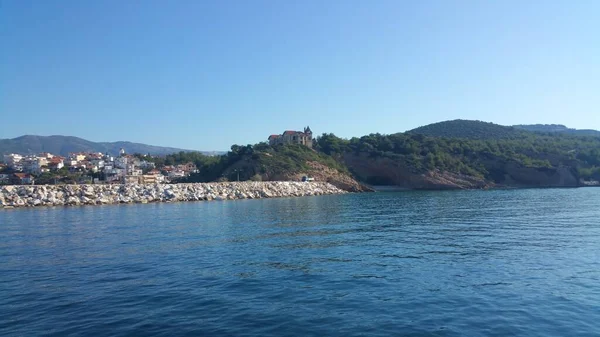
(18, 196)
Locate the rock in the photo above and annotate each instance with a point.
(21, 196)
(72, 201)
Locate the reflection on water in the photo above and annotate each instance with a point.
(502, 263)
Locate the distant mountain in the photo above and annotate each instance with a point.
(557, 128)
(469, 129)
(63, 145)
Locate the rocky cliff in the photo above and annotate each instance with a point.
(322, 173)
(502, 173)
(384, 171)
(511, 174)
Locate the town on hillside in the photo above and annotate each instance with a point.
(48, 168)
(103, 168)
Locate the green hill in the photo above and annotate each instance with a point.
(558, 128)
(270, 163)
(63, 145)
(412, 159)
(415, 161)
(447, 155)
(467, 129)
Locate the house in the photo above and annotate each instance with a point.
(35, 165)
(98, 162)
(144, 164)
(77, 156)
(293, 137)
(130, 179)
(113, 174)
(95, 156)
(121, 162)
(22, 179)
(56, 163)
(108, 158)
(46, 155)
(187, 168)
(152, 179)
(174, 174)
(135, 172)
(12, 159)
(71, 162)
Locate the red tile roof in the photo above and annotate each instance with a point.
(291, 132)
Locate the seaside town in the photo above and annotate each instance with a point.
(97, 168)
(103, 168)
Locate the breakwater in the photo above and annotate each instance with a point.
(72, 195)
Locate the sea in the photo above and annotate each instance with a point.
(406, 263)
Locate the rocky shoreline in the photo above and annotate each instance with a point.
(73, 195)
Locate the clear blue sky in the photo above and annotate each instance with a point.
(202, 75)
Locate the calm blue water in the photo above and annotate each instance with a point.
(472, 263)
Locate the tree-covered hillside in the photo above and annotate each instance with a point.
(63, 145)
(257, 162)
(467, 129)
(488, 153)
(477, 157)
(545, 128)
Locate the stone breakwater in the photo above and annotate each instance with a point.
(72, 195)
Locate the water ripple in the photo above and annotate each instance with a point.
(475, 263)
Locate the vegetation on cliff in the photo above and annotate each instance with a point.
(461, 150)
(475, 156)
(545, 128)
(460, 128)
(257, 162)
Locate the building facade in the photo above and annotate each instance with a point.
(293, 137)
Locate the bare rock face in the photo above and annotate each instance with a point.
(73, 195)
(519, 176)
(322, 173)
(384, 171)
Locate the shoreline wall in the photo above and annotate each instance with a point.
(12, 196)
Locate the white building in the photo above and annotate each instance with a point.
(12, 159)
(34, 164)
(121, 162)
(176, 174)
(98, 162)
(147, 165)
(46, 155)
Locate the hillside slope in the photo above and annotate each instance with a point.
(468, 129)
(558, 128)
(417, 161)
(282, 162)
(63, 145)
(505, 157)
